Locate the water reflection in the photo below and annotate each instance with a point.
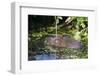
(55, 47)
(43, 57)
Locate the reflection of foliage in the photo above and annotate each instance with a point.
(75, 26)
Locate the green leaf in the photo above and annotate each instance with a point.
(57, 21)
(83, 25)
(60, 17)
(77, 36)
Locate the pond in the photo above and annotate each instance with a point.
(55, 47)
(44, 57)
